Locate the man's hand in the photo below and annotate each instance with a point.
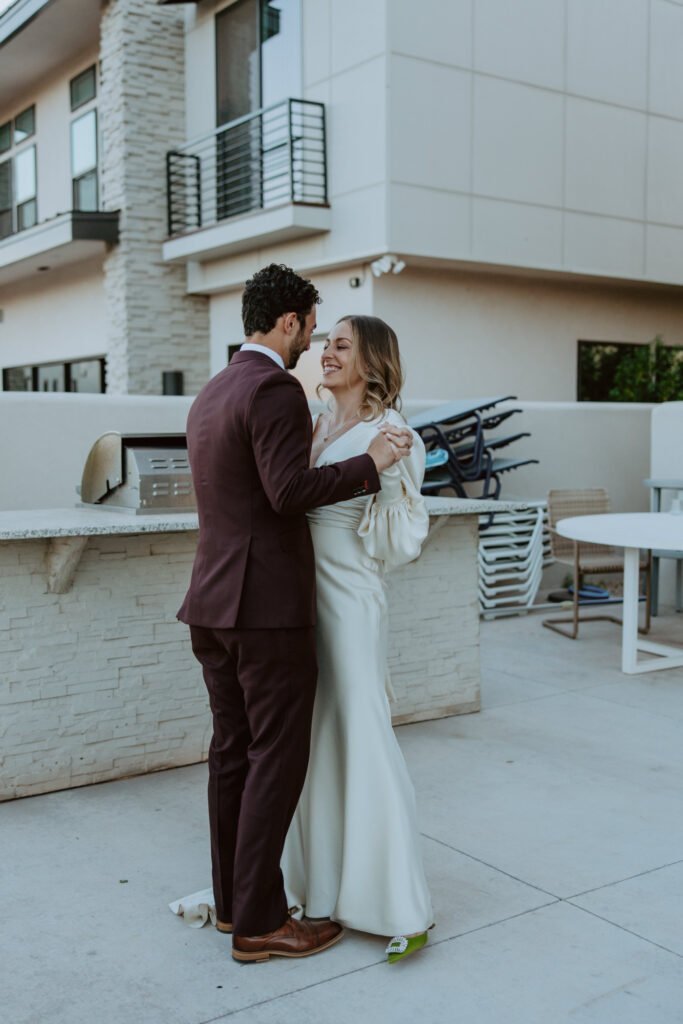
(390, 446)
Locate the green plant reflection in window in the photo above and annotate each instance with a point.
(617, 372)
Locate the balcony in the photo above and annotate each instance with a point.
(256, 181)
(64, 239)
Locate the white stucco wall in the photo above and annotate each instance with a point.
(55, 316)
(479, 334)
(53, 433)
(344, 66)
(538, 134)
(53, 135)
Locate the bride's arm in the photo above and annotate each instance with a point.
(395, 522)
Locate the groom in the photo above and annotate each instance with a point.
(251, 604)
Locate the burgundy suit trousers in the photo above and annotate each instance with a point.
(261, 685)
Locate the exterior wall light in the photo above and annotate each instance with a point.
(387, 264)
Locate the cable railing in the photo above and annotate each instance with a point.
(276, 155)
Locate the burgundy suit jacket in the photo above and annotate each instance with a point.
(249, 443)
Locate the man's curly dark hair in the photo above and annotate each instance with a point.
(273, 291)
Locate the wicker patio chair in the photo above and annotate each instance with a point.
(584, 557)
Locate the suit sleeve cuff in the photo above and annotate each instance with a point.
(371, 482)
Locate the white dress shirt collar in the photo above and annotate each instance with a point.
(249, 346)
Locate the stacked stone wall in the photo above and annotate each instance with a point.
(100, 682)
(153, 325)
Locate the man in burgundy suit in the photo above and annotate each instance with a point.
(251, 604)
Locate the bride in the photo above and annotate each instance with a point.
(352, 852)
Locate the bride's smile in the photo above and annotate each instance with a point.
(337, 360)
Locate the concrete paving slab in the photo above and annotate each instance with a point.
(467, 894)
(105, 862)
(566, 793)
(567, 782)
(500, 688)
(523, 647)
(86, 946)
(650, 905)
(655, 693)
(549, 966)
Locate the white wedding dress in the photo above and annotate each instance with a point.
(353, 849)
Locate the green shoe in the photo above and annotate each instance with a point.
(400, 946)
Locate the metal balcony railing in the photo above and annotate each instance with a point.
(273, 156)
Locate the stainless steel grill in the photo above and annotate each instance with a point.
(139, 474)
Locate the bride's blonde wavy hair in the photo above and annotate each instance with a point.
(377, 359)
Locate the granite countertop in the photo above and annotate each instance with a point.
(85, 522)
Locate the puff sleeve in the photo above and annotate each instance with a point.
(395, 522)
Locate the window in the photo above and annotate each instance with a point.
(51, 377)
(84, 161)
(628, 372)
(5, 198)
(258, 64)
(18, 202)
(258, 56)
(84, 188)
(86, 376)
(24, 125)
(17, 378)
(18, 208)
(82, 376)
(25, 187)
(83, 88)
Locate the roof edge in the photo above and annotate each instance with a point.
(18, 15)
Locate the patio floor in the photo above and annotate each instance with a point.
(552, 837)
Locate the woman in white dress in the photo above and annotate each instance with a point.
(353, 849)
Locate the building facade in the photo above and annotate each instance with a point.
(499, 181)
(91, 99)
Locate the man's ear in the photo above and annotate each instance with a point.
(290, 322)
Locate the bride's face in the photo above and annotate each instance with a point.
(338, 362)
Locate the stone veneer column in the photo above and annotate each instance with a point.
(153, 325)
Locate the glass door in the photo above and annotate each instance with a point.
(238, 93)
(258, 64)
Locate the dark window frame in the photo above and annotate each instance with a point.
(77, 179)
(240, 155)
(583, 344)
(625, 349)
(18, 211)
(19, 208)
(4, 210)
(20, 142)
(66, 364)
(77, 78)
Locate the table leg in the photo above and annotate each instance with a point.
(655, 506)
(654, 583)
(629, 629)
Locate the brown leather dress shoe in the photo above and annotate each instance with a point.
(294, 939)
(223, 927)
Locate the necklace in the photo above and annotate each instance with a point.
(345, 424)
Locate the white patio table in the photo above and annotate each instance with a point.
(632, 531)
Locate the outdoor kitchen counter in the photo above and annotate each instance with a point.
(88, 522)
(98, 679)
